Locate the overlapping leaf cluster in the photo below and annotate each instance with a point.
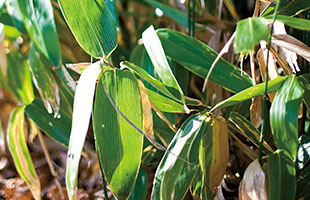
(141, 116)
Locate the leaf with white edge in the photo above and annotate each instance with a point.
(157, 55)
(248, 130)
(44, 80)
(180, 163)
(247, 35)
(252, 185)
(39, 21)
(281, 171)
(284, 115)
(92, 24)
(20, 152)
(82, 109)
(303, 154)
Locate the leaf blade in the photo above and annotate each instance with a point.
(20, 152)
(82, 108)
(83, 16)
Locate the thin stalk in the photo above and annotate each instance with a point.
(105, 189)
(189, 17)
(264, 103)
(50, 165)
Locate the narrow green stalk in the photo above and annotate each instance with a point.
(105, 190)
(191, 17)
(264, 103)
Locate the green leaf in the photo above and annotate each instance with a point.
(20, 152)
(303, 154)
(303, 184)
(293, 7)
(82, 108)
(139, 192)
(150, 79)
(288, 7)
(304, 81)
(284, 115)
(157, 55)
(180, 162)
(19, 77)
(92, 25)
(298, 23)
(248, 130)
(44, 80)
(172, 12)
(251, 92)
(197, 57)
(57, 128)
(38, 19)
(164, 104)
(248, 36)
(118, 143)
(282, 183)
(16, 15)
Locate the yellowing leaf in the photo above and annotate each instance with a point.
(20, 152)
(220, 152)
(147, 111)
(252, 185)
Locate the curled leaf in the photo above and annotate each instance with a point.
(252, 185)
(82, 108)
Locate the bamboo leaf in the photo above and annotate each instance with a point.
(303, 154)
(44, 80)
(57, 128)
(304, 81)
(248, 130)
(147, 111)
(157, 55)
(284, 115)
(173, 13)
(118, 143)
(247, 35)
(298, 23)
(82, 108)
(180, 163)
(139, 192)
(165, 104)
(38, 19)
(19, 77)
(213, 156)
(92, 25)
(197, 57)
(251, 92)
(281, 171)
(20, 152)
(303, 184)
(150, 79)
